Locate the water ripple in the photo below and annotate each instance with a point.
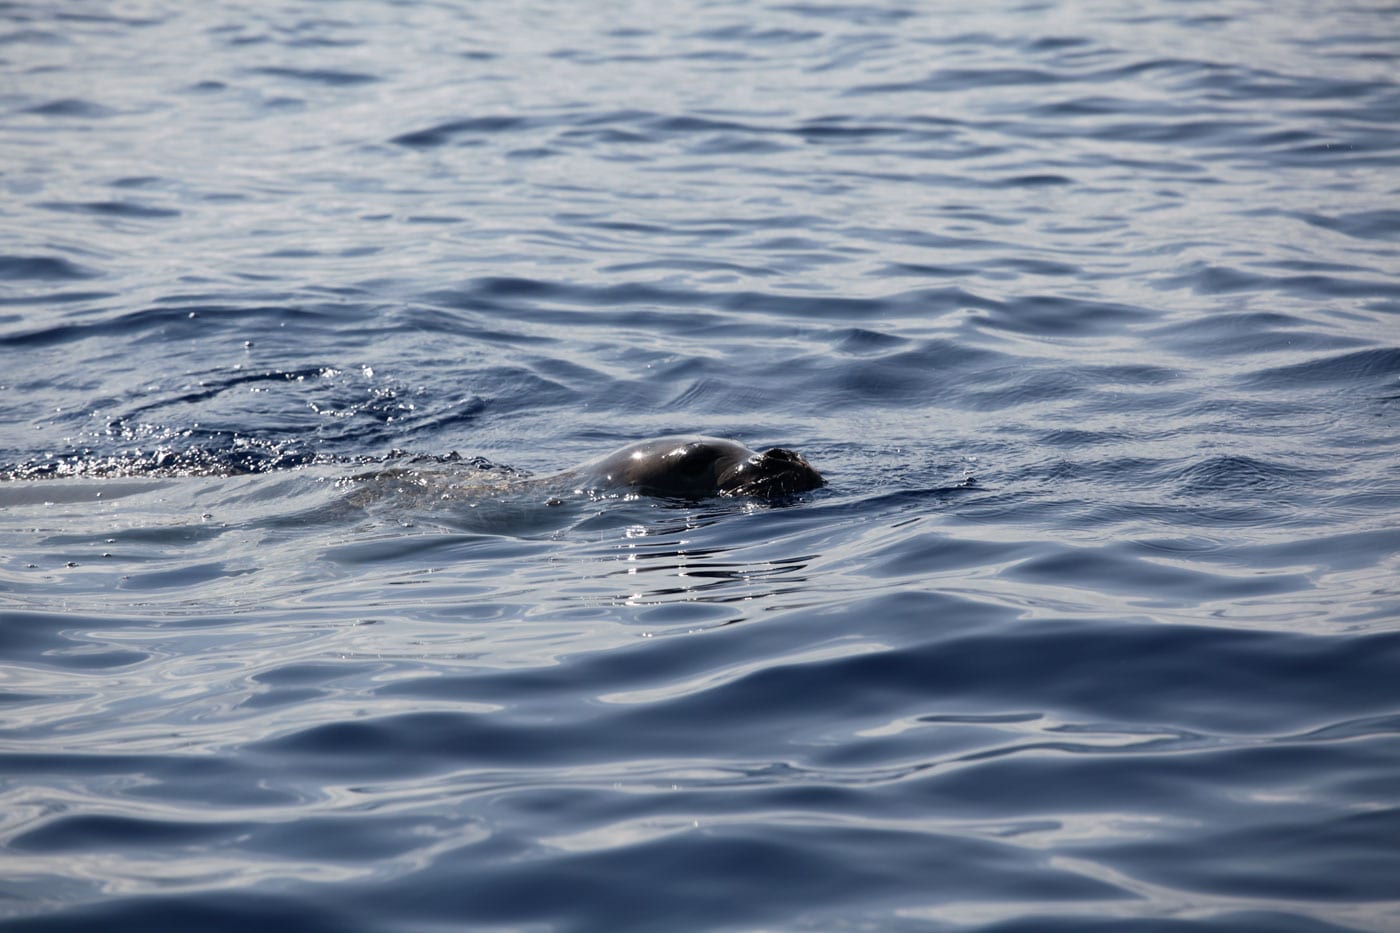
(1087, 318)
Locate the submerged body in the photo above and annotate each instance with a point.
(693, 466)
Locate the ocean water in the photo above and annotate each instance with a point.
(1089, 312)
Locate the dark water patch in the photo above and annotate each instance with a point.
(1208, 279)
(115, 19)
(1010, 385)
(1213, 921)
(1056, 43)
(809, 870)
(905, 236)
(844, 128)
(960, 79)
(1312, 265)
(318, 76)
(721, 143)
(859, 15)
(1232, 83)
(32, 37)
(1034, 267)
(691, 265)
(33, 634)
(470, 127)
(354, 841)
(1361, 368)
(1230, 474)
(701, 134)
(746, 33)
(1078, 439)
(526, 295)
(217, 913)
(1150, 582)
(283, 103)
(1196, 677)
(847, 309)
(452, 324)
(313, 674)
(532, 153)
(668, 125)
(1223, 133)
(291, 254)
(892, 377)
(858, 341)
(173, 768)
(1133, 470)
(168, 323)
(211, 387)
(1231, 333)
(1361, 150)
(48, 268)
(435, 742)
(72, 107)
(84, 833)
(1096, 105)
(668, 666)
(907, 497)
(966, 79)
(936, 272)
(1339, 859)
(1355, 728)
(937, 553)
(91, 659)
(1335, 551)
(461, 537)
(1032, 181)
(124, 209)
(188, 576)
(1366, 225)
(137, 181)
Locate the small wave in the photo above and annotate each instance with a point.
(1360, 368)
(1212, 279)
(960, 79)
(69, 833)
(1248, 332)
(1364, 225)
(72, 107)
(54, 268)
(129, 209)
(1231, 473)
(319, 76)
(856, 14)
(167, 323)
(444, 133)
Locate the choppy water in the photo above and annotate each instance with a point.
(1090, 313)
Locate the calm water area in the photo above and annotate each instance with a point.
(1089, 312)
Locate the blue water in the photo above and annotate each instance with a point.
(1089, 312)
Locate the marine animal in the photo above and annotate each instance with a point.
(693, 466)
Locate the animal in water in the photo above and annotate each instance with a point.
(693, 466)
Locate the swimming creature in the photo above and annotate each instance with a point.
(692, 466)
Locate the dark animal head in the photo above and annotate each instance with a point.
(771, 474)
(693, 466)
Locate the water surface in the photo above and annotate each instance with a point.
(1088, 312)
